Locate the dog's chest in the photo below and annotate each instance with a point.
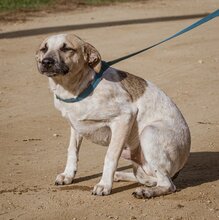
(87, 121)
(93, 129)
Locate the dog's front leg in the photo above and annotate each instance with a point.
(120, 130)
(71, 166)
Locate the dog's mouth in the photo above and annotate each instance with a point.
(54, 70)
(50, 74)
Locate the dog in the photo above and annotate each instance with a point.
(130, 115)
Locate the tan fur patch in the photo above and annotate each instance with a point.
(134, 85)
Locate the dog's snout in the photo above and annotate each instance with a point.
(48, 62)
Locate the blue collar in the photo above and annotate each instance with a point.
(90, 88)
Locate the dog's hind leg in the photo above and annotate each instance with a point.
(142, 176)
(159, 163)
(164, 186)
(124, 176)
(139, 173)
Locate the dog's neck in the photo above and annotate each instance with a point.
(75, 83)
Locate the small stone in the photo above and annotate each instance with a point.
(200, 61)
(133, 218)
(56, 135)
(180, 206)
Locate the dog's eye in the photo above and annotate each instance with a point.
(44, 49)
(66, 49)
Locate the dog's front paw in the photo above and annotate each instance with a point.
(101, 190)
(63, 179)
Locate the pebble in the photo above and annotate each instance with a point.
(200, 61)
(180, 206)
(56, 135)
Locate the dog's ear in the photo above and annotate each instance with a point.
(92, 57)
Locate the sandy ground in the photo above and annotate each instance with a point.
(34, 137)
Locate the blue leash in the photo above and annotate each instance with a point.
(106, 65)
(189, 28)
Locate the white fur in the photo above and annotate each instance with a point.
(108, 117)
(162, 128)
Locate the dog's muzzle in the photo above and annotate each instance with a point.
(50, 67)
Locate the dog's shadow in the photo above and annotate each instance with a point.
(202, 167)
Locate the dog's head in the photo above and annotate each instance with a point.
(64, 54)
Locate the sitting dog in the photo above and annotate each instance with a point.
(134, 118)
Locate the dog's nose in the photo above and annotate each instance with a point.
(48, 62)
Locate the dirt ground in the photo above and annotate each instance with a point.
(34, 136)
